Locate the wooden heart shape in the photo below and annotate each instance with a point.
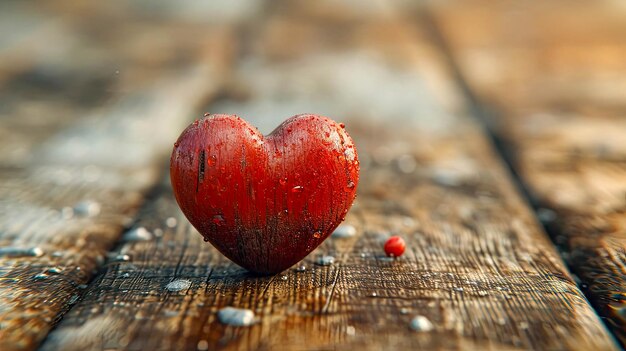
(265, 202)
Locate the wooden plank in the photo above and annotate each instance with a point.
(478, 266)
(561, 121)
(69, 185)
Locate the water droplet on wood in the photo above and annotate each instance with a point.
(138, 234)
(20, 252)
(171, 222)
(325, 260)
(344, 231)
(87, 208)
(421, 324)
(54, 270)
(178, 285)
(203, 345)
(238, 317)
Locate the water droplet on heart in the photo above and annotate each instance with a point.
(195, 123)
(350, 185)
(211, 161)
(218, 219)
(207, 114)
(317, 234)
(343, 126)
(282, 181)
(297, 189)
(176, 144)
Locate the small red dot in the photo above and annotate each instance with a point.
(395, 246)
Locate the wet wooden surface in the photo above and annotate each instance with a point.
(80, 145)
(560, 122)
(126, 80)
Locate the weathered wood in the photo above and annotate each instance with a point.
(561, 121)
(478, 266)
(76, 160)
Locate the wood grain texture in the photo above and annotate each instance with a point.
(478, 266)
(561, 121)
(79, 149)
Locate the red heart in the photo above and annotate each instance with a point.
(265, 202)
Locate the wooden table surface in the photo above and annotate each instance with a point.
(492, 137)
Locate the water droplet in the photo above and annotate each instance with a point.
(40, 276)
(125, 275)
(20, 252)
(82, 286)
(284, 277)
(138, 234)
(218, 220)
(57, 254)
(350, 185)
(238, 317)
(176, 144)
(301, 268)
(171, 222)
(421, 324)
(282, 181)
(211, 161)
(121, 258)
(195, 123)
(350, 330)
(457, 289)
(73, 299)
(343, 126)
(54, 270)
(203, 345)
(87, 208)
(178, 285)
(317, 234)
(374, 294)
(325, 260)
(344, 231)
(207, 114)
(297, 189)
(206, 240)
(482, 293)
(404, 310)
